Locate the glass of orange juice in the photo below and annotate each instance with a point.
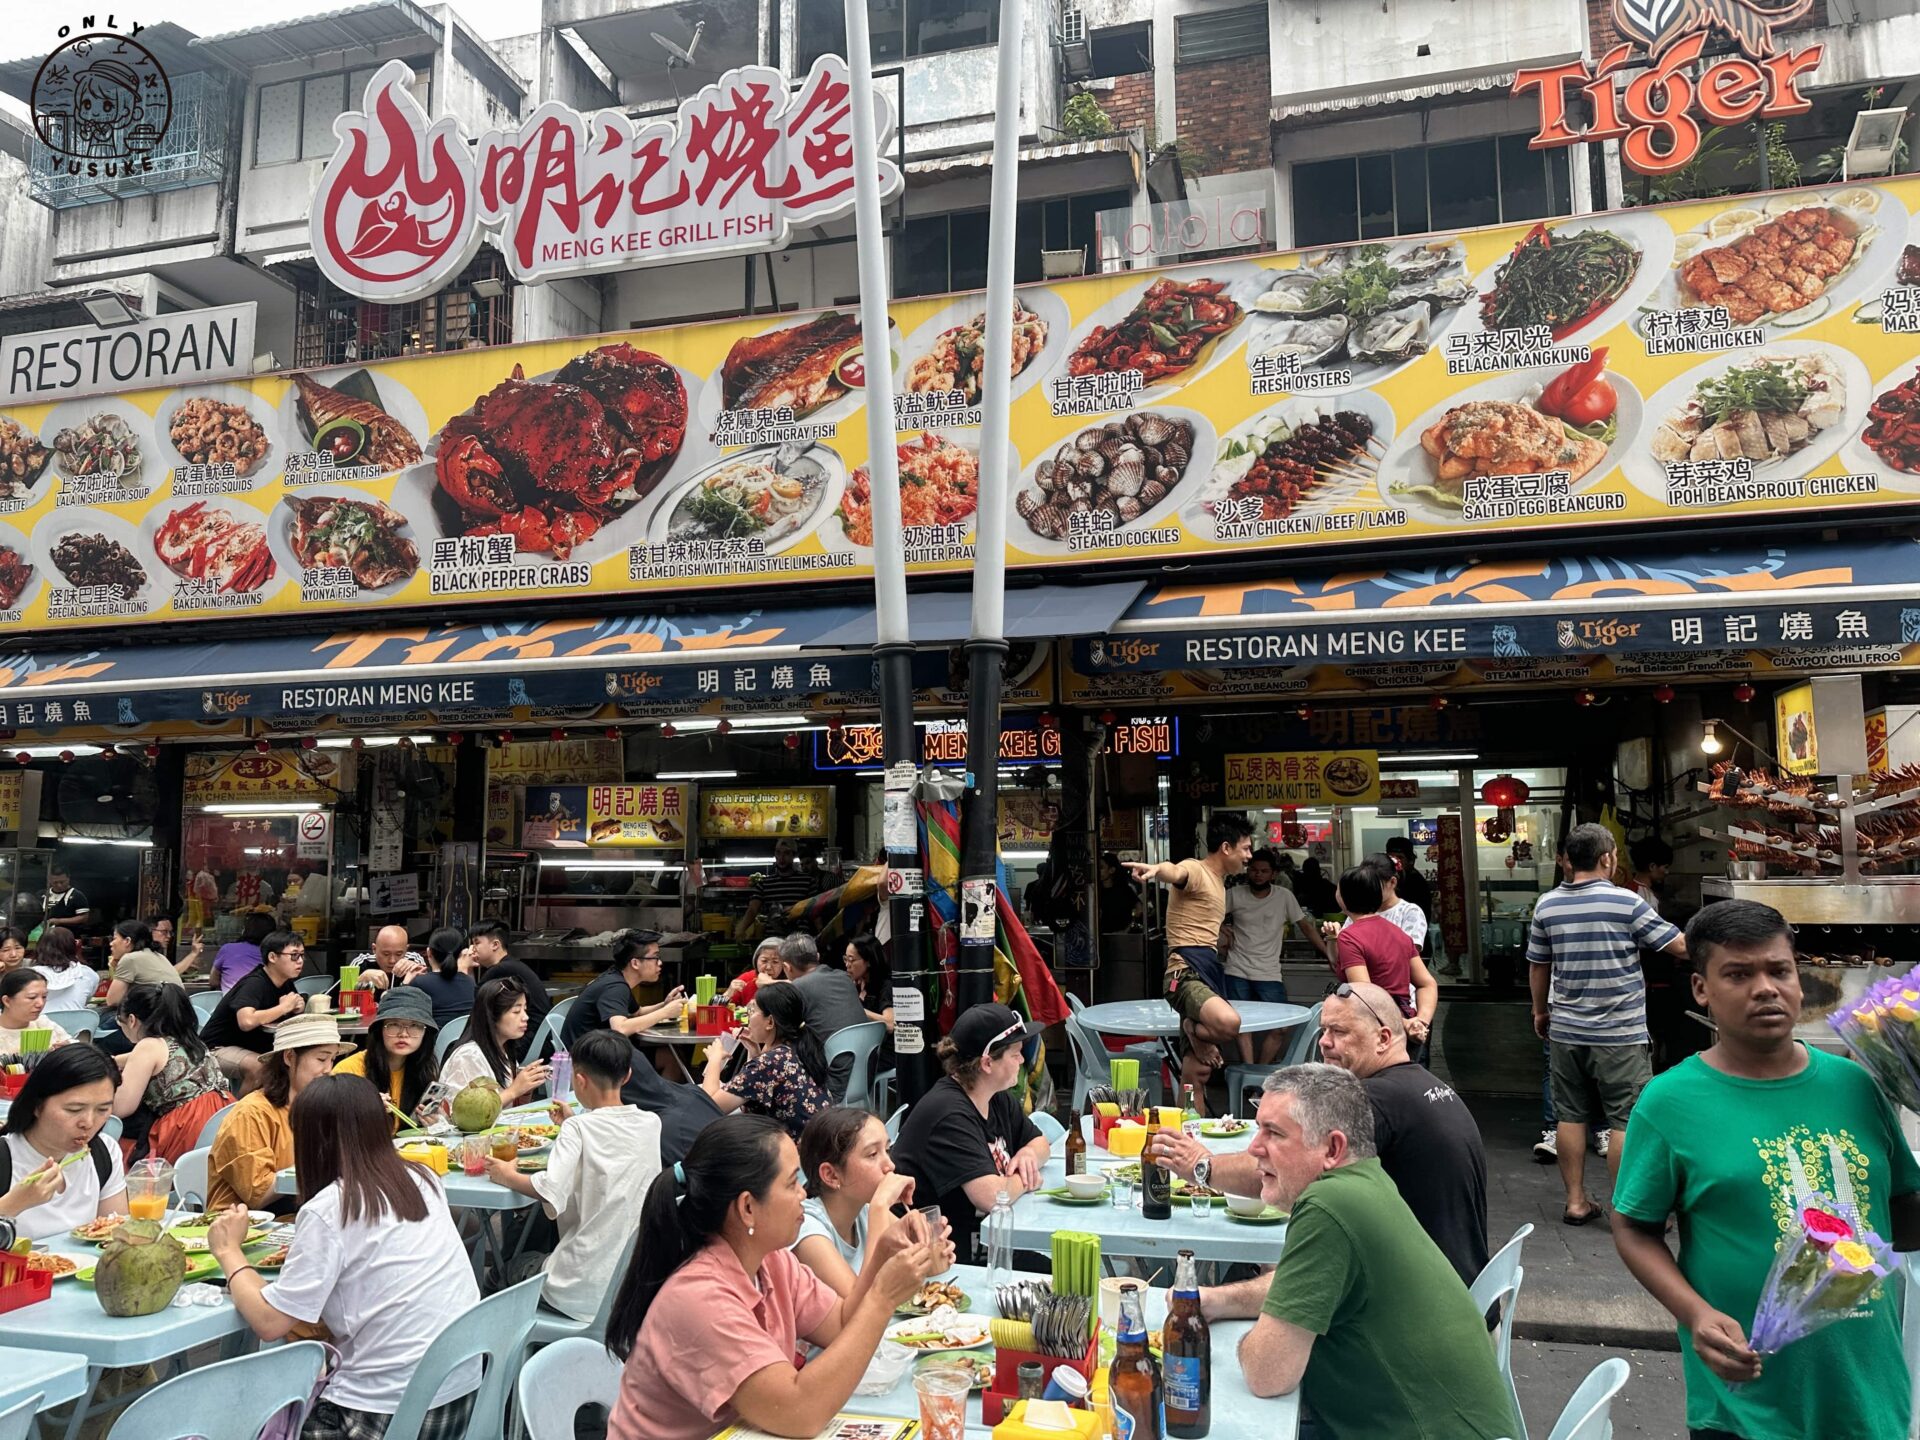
(149, 1183)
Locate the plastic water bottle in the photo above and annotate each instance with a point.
(998, 1233)
(560, 1076)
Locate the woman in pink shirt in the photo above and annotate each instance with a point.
(714, 1306)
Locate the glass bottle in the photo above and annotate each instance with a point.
(1186, 1349)
(1156, 1187)
(1133, 1380)
(1076, 1153)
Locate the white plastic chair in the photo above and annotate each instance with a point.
(550, 1326)
(1499, 1284)
(549, 1029)
(496, 1329)
(1093, 1063)
(1589, 1414)
(860, 1041)
(314, 984)
(894, 1121)
(17, 1423)
(190, 1178)
(557, 1381)
(1301, 1044)
(449, 1037)
(76, 1022)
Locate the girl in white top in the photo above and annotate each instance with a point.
(852, 1188)
(495, 1028)
(69, 983)
(60, 1170)
(375, 1257)
(23, 1004)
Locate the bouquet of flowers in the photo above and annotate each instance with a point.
(1882, 1030)
(1819, 1276)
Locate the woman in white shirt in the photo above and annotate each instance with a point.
(852, 1188)
(497, 1023)
(23, 1006)
(57, 1117)
(375, 1257)
(69, 983)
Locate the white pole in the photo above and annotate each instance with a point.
(883, 460)
(990, 526)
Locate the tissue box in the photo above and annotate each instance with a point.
(1004, 1393)
(1127, 1139)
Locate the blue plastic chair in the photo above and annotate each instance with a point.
(228, 1400)
(1093, 1062)
(550, 1326)
(1499, 1284)
(190, 1178)
(212, 1127)
(1300, 1047)
(550, 1029)
(17, 1423)
(314, 984)
(894, 1121)
(1589, 1414)
(557, 1381)
(111, 1130)
(495, 1331)
(1048, 1126)
(449, 1037)
(859, 1041)
(204, 1003)
(76, 1022)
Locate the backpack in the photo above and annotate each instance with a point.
(102, 1163)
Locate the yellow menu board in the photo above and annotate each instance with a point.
(1304, 777)
(1629, 369)
(801, 811)
(643, 816)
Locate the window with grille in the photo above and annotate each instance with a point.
(1220, 35)
(335, 329)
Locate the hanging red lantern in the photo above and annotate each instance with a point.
(667, 732)
(357, 743)
(612, 733)
(836, 724)
(556, 734)
(153, 752)
(724, 727)
(1438, 702)
(1107, 717)
(456, 739)
(1584, 698)
(308, 742)
(1305, 712)
(1505, 792)
(23, 758)
(1663, 694)
(1743, 692)
(791, 741)
(66, 757)
(262, 746)
(505, 737)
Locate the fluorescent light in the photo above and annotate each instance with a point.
(699, 775)
(44, 752)
(560, 863)
(1023, 854)
(98, 840)
(277, 807)
(746, 722)
(746, 860)
(1465, 755)
(371, 742)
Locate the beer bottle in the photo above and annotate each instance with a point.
(1186, 1349)
(1133, 1380)
(1077, 1144)
(1156, 1188)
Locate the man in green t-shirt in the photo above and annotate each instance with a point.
(1363, 1314)
(1732, 1141)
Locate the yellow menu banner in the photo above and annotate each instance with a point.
(1304, 777)
(1795, 739)
(798, 811)
(636, 816)
(215, 778)
(9, 802)
(1751, 355)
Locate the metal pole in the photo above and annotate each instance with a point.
(916, 994)
(986, 643)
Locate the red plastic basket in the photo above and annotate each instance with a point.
(1005, 1389)
(12, 1085)
(19, 1286)
(712, 1019)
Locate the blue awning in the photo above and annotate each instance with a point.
(1840, 596)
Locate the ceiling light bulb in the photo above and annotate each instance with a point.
(1710, 739)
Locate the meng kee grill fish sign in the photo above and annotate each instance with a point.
(1653, 115)
(406, 201)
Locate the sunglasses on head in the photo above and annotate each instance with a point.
(1347, 992)
(1017, 1029)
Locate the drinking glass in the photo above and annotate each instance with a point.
(148, 1185)
(1122, 1192)
(942, 1393)
(474, 1150)
(1202, 1207)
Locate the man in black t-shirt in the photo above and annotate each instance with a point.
(1429, 1144)
(239, 1030)
(488, 941)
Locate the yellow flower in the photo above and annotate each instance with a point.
(1854, 1253)
(1905, 1014)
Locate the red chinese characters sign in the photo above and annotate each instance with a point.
(405, 202)
(1657, 116)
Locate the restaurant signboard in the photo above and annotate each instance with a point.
(758, 813)
(643, 816)
(1304, 777)
(1283, 412)
(192, 345)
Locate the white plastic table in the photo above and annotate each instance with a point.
(1238, 1414)
(54, 1377)
(71, 1322)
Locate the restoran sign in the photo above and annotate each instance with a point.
(211, 344)
(406, 201)
(1653, 117)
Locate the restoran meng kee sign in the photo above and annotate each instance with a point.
(406, 201)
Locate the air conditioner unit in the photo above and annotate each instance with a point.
(1076, 53)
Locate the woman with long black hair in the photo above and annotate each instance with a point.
(70, 983)
(714, 1304)
(169, 1072)
(448, 978)
(866, 962)
(494, 1030)
(785, 1075)
(399, 1057)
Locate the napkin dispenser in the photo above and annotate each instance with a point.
(1046, 1420)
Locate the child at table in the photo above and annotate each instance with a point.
(601, 1159)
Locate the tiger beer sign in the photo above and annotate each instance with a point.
(1657, 116)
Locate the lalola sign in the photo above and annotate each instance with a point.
(405, 202)
(1658, 114)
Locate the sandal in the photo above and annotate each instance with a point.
(1595, 1212)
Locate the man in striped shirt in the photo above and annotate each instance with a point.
(1590, 1002)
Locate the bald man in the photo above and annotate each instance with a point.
(390, 961)
(1428, 1142)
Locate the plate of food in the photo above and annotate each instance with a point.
(1889, 444)
(106, 443)
(775, 494)
(272, 1259)
(96, 1231)
(1785, 410)
(1224, 1128)
(1124, 474)
(1127, 1173)
(20, 578)
(364, 421)
(943, 1330)
(100, 554)
(23, 460)
(62, 1267)
(934, 1295)
(944, 354)
(220, 544)
(1788, 261)
(1305, 457)
(814, 365)
(1172, 329)
(356, 534)
(977, 1365)
(220, 425)
(203, 1219)
(568, 463)
(1521, 423)
(939, 486)
(1369, 310)
(1577, 277)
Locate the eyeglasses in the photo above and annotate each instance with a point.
(1347, 992)
(403, 1027)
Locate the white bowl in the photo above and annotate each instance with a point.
(1086, 1187)
(1246, 1205)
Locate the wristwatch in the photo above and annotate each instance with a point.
(1202, 1171)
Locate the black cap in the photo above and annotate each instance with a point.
(984, 1025)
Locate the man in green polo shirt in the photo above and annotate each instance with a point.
(1732, 1141)
(1363, 1314)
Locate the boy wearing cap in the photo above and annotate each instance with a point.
(255, 1141)
(969, 1138)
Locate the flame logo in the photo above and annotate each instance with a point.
(394, 217)
(1657, 24)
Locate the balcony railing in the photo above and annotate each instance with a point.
(192, 152)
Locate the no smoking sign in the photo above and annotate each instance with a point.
(315, 830)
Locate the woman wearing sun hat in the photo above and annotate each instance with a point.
(399, 1057)
(255, 1141)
